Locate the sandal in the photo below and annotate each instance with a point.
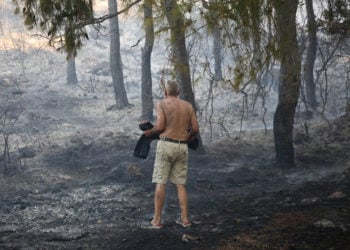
(150, 225)
(182, 224)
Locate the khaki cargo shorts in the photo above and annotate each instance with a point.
(170, 163)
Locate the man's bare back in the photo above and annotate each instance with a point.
(176, 119)
(177, 115)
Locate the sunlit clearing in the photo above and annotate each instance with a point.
(22, 41)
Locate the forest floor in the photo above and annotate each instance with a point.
(85, 190)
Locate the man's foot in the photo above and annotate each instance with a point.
(152, 225)
(184, 225)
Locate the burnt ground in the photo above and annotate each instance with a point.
(91, 193)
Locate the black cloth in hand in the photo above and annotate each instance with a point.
(143, 145)
(193, 144)
(145, 126)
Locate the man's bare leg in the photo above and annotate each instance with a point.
(183, 200)
(159, 197)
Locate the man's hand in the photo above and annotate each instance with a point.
(192, 137)
(145, 125)
(148, 133)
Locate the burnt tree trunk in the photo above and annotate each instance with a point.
(115, 58)
(217, 47)
(217, 53)
(179, 53)
(146, 78)
(310, 85)
(71, 71)
(289, 88)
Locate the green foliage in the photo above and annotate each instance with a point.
(29, 20)
(57, 18)
(46, 6)
(336, 18)
(247, 27)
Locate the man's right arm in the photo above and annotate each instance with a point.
(160, 123)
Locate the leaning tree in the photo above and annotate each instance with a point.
(267, 31)
(288, 93)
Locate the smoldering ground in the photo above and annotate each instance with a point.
(93, 194)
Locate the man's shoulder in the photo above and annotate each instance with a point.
(185, 102)
(188, 104)
(161, 102)
(182, 102)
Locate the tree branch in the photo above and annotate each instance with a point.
(101, 19)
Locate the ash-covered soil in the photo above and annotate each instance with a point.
(91, 193)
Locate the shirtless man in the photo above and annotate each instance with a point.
(176, 125)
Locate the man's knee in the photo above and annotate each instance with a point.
(160, 187)
(180, 187)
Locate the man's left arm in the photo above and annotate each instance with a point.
(194, 125)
